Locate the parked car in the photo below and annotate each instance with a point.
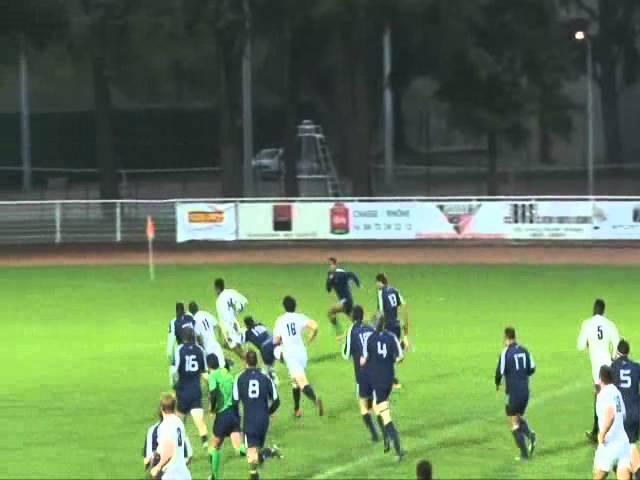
(268, 162)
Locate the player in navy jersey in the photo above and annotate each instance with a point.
(188, 367)
(259, 336)
(381, 353)
(339, 280)
(180, 321)
(259, 398)
(516, 365)
(626, 376)
(355, 341)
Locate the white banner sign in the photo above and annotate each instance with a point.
(616, 220)
(465, 220)
(205, 221)
(549, 220)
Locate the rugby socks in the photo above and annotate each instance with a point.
(204, 439)
(215, 462)
(242, 451)
(521, 443)
(253, 472)
(296, 398)
(264, 454)
(392, 434)
(309, 393)
(595, 430)
(524, 428)
(368, 421)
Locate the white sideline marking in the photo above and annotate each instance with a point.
(423, 443)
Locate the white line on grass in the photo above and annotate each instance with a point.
(460, 426)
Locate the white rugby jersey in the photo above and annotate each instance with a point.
(290, 328)
(228, 304)
(172, 429)
(610, 396)
(601, 337)
(205, 323)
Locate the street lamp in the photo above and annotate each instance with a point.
(582, 36)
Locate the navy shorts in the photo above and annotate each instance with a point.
(364, 389)
(395, 329)
(381, 393)
(631, 426)
(255, 435)
(347, 305)
(516, 405)
(189, 399)
(268, 357)
(226, 423)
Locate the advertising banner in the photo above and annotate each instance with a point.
(466, 220)
(283, 221)
(549, 220)
(205, 221)
(616, 220)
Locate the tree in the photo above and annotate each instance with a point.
(613, 35)
(497, 69)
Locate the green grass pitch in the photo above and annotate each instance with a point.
(83, 366)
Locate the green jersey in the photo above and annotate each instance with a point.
(221, 389)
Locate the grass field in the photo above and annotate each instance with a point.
(83, 365)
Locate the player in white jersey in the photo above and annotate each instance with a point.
(150, 449)
(601, 337)
(613, 442)
(228, 304)
(205, 332)
(171, 441)
(289, 335)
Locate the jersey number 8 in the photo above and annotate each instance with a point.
(254, 389)
(393, 300)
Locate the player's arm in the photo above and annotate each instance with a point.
(500, 369)
(213, 397)
(173, 369)
(312, 325)
(404, 311)
(275, 400)
(615, 339)
(188, 450)
(167, 450)
(240, 302)
(583, 338)
(531, 365)
(171, 342)
(277, 334)
(329, 282)
(354, 278)
(365, 353)
(346, 350)
(609, 416)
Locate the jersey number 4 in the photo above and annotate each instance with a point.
(254, 389)
(382, 349)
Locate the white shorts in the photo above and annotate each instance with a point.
(213, 347)
(177, 473)
(296, 362)
(232, 337)
(610, 454)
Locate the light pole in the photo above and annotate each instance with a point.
(25, 126)
(582, 36)
(247, 106)
(388, 107)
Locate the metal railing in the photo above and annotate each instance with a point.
(71, 221)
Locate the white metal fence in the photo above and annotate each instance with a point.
(70, 221)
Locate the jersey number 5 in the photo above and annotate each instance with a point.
(254, 389)
(625, 378)
(600, 334)
(191, 363)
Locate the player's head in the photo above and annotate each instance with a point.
(218, 285)
(186, 334)
(333, 264)
(179, 309)
(598, 307)
(509, 335)
(357, 314)
(623, 348)
(424, 470)
(251, 358)
(606, 375)
(289, 304)
(167, 403)
(380, 321)
(381, 280)
(212, 362)
(249, 322)
(193, 307)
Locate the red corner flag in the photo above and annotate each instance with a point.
(151, 228)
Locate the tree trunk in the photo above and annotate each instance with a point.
(492, 164)
(105, 148)
(360, 163)
(292, 84)
(611, 115)
(229, 150)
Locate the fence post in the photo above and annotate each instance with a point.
(58, 215)
(237, 218)
(118, 222)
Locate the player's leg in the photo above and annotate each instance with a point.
(592, 436)
(300, 378)
(383, 410)
(296, 392)
(518, 435)
(252, 460)
(334, 310)
(366, 410)
(197, 414)
(215, 445)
